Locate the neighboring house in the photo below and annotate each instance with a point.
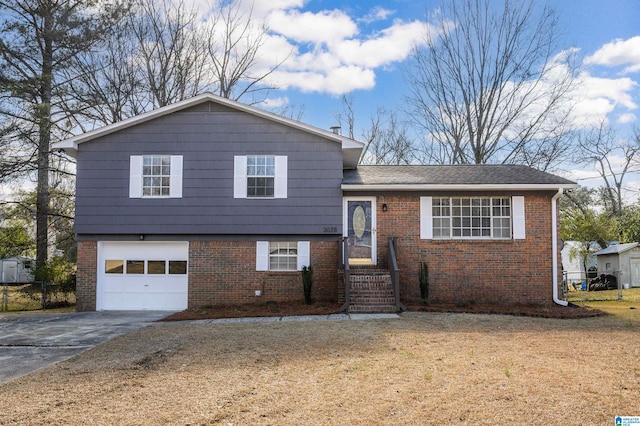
(572, 262)
(622, 261)
(17, 269)
(209, 201)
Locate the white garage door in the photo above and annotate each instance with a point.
(142, 275)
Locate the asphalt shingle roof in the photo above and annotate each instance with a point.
(451, 175)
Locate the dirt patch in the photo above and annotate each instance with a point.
(273, 309)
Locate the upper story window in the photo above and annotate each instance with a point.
(472, 217)
(155, 176)
(260, 176)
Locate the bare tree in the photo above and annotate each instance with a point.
(612, 159)
(170, 56)
(489, 86)
(387, 140)
(39, 43)
(235, 43)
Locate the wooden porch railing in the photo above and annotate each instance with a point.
(394, 272)
(344, 265)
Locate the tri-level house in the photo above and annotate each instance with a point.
(210, 202)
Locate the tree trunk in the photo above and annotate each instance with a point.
(44, 146)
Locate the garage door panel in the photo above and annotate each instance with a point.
(149, 289)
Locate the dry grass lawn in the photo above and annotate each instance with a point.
(424, 368)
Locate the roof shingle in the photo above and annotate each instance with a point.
(484, 174)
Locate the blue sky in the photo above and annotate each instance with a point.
(359, 48)
(384, 32)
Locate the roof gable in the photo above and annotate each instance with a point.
(210, 102)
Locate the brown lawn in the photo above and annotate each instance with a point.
(424, 368)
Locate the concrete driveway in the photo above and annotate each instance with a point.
(32, 341)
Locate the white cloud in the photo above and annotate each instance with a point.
(597, 97)
(272, 103)
(328, 52)
(337, 81)
(618, 52)
(626, 118)
(329, 26)
(378, 13)
(390, 45)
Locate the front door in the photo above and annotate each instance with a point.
(360, 229)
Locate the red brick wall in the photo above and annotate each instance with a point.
(86, 276)
(471, 271)
(225, 273)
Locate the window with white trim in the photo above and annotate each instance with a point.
(155, 176)
(260, 176)
(282, 255)
(472, 217)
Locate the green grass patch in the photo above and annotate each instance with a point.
(629, 294)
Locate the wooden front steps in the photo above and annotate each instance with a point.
(371, 291)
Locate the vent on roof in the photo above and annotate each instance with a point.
(336, 129)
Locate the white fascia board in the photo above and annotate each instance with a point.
(72, 143)
(457, 187)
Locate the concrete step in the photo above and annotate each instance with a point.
(372, 309)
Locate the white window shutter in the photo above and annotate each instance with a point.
(304, 254)
(280, 190)
(175, 182)
(518, 218)
(135, 176)
(262, 256)
(426, 218)
(239, 176)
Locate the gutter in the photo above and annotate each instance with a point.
(554, 247)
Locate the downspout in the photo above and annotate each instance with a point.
(554, 248)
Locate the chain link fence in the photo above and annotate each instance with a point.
(36, 296)
(595, 286)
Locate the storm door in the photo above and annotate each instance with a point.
(360, 229)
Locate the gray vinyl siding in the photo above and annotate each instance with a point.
(208, 142)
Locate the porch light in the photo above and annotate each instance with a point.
(384, 207)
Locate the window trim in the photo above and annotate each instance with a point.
(136, 176)
(518, 228)
(263, 256)
(240, 176)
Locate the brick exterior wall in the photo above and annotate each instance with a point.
(225, 273)
(470, 271)
(461, 271)
(86, 277)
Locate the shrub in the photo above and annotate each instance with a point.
(424, 281)
(307, 281)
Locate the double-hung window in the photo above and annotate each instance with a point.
(282, 256)
(155, 176)
(260, 176)
(472, 217)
